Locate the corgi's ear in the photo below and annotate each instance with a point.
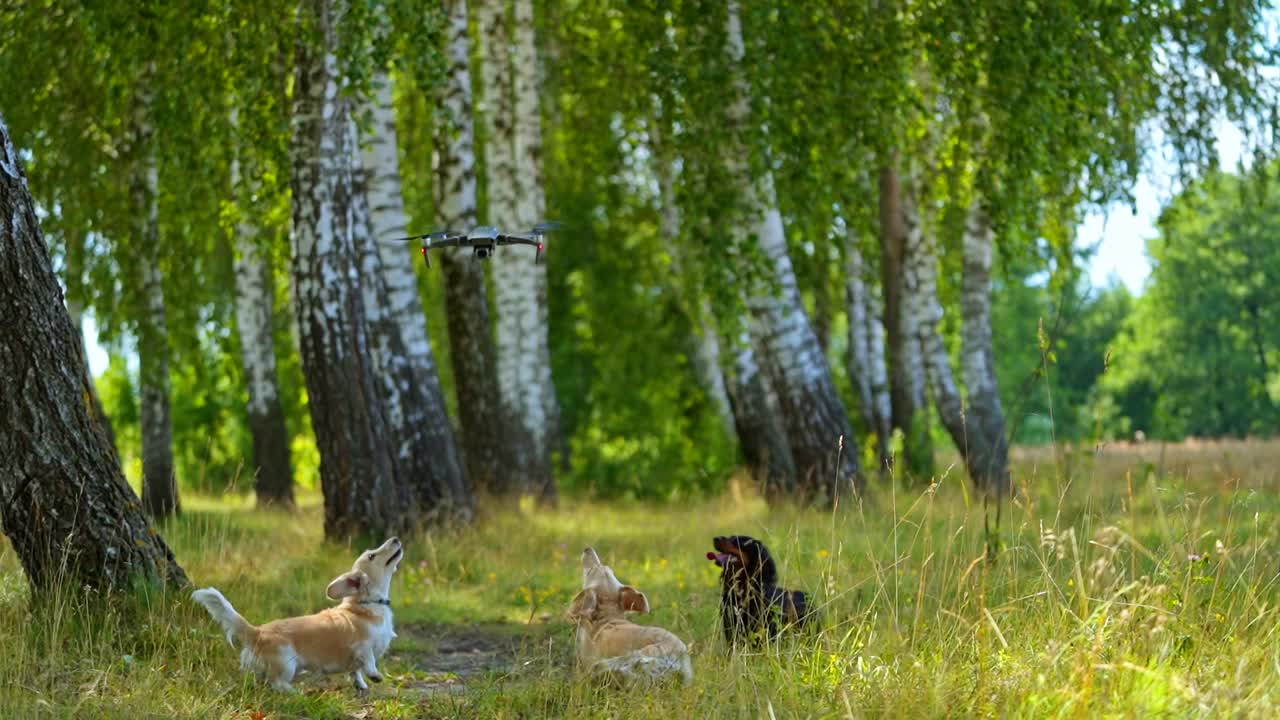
(633, 600)
(347, 584)
(583, 606)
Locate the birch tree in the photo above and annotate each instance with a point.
(526, 373)
(159, 484)
(868, 372)
(72, 519)
(511, 146)
(815, 419)
(427, 447)
(255, 320)
(359, 474)
(472, 351)
(899, 219)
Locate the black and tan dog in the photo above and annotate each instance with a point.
(752, 606)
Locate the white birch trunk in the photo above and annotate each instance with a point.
(255, 321)
(867, 370)
(512, 200)
(484, 432)
(425, 446)
(814, 417)
(990, 463)
(358, 466)
(899, 227)
(387, 221)
(541, 408)
(756, 422)
(159, 485)
(922, 271)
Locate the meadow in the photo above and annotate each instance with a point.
(1130, 581)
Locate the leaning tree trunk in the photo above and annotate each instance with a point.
(159, 485)
(907, 382)
(921, 266)
(466, 297)
(255, 322)
(988, 444)
(522, 284)
(75, 308)
(760, 434)
(865, 353)
(814, 417)
(64, 504)
(975, 424)
(363, 492)
(428, 449)
(514, 288)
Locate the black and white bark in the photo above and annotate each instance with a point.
(988, 456)
(907, 382)
(472, 351)
(272, 464)
(814, 417)
(427, 449)
(520, 307)
(975, 419)
(159, 483)
(523, 314)
(865, 355)
(758, 426)
(363, 490)
(70, 516)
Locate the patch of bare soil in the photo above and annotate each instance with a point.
(443, 658)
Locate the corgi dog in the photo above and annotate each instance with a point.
(609, 644)
(349, 637)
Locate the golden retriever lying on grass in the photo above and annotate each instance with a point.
(347, 638)
(612, 646)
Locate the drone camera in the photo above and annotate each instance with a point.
(482, 252)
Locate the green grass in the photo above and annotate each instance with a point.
(1141, 582)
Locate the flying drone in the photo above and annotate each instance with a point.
(483, 240)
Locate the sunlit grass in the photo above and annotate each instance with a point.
(1126, 585)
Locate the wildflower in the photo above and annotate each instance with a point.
(823, 553)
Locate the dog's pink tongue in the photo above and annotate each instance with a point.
(719, 558)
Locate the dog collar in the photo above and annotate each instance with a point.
(379, 601)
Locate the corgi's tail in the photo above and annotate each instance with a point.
(236, 627)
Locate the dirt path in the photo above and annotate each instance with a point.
(443, 658)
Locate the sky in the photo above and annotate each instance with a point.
(1119, 232)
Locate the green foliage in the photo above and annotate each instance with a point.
(1043, 109)
(1052, 350)
(1200, 355)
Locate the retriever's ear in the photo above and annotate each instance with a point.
(347, 584)
(583, 605)
(633, 600)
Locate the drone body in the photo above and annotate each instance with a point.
(483, 240)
